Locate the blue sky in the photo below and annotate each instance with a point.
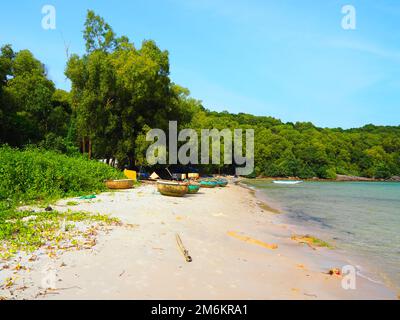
(289, 59)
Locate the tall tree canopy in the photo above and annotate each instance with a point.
(28, 110)
(117, 90)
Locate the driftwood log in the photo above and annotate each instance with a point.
(182, 249)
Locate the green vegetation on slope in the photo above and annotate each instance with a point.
(36, 174)
(306, 151)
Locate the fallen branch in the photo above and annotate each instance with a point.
(182, 249)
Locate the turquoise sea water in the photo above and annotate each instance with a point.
(361, 218)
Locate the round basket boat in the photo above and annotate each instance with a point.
(119, 184)
(193, 188)
(172, 188)
(208, 184)
(222, 182)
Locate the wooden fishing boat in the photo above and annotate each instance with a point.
(119, 184)
(172, 188)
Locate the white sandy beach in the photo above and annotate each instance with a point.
(142, 261)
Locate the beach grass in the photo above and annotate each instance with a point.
(72, 203)
(27, 231)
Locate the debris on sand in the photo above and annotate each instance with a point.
(311, 241)
(252, 241)
(335, 272)
(89, 197)
(182, 249)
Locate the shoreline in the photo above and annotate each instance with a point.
(230, 237)
(364, 267)
(342, 179)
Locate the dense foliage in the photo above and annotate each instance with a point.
(36, 174)
(119, 92)
(303, 150)
(32, 111)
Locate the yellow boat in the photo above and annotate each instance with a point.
(172, 188)
(130, 174)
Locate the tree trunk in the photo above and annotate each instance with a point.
(131, 162)
(83, 145)
(90, 149)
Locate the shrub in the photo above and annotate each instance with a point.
(331, 174)
(37, 174)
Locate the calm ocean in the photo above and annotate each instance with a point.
(361, 218)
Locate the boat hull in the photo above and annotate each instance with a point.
(208, 184)
(222, 182)
(119, 184)
(193, 188)
(172, 189)
(287, 182)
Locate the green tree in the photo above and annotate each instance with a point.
(28, 94)
(6, 60)
(98, 34)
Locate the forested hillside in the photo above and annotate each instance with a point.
(120, 90)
